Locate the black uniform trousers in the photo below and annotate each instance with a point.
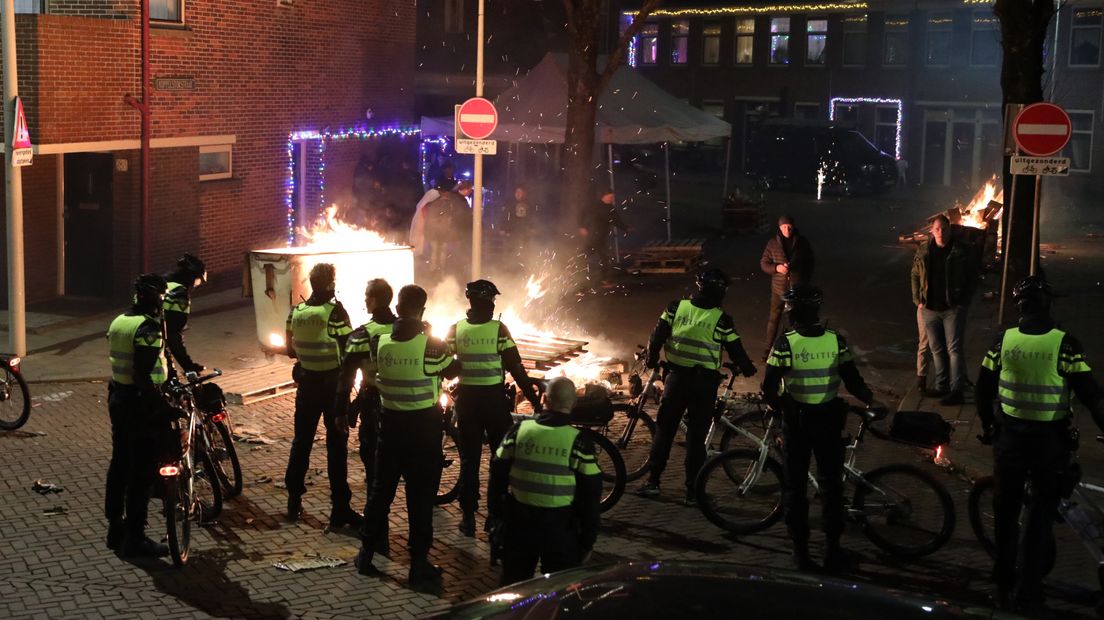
(410, 448)
(314, 399)
(686, 390)
(480, 409)
(531, 534)
(807, 431)
(1035, 452)
(368, 434)
(133, 459)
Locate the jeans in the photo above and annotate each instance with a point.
(945, 331)
(922, 351)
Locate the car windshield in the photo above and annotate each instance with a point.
(855, 144)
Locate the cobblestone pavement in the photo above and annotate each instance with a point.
(57, 566)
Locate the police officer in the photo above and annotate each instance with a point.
(189, 274)
(1030, 370)
(134, 403)
(545, 487)
(692, 333)
(409, 366)
(316, 333)
(358, 354)
(810, 362)
(485, 348)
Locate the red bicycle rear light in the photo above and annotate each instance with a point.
(218, 417)
(14, 362)
(170, 471)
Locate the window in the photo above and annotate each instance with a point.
(216, 162)
(780, 41)
(30, 6)
(649, 44)
(816, 38)
(1079, 149)
(854, 41)
(711, 43)
(1085, 38)
(984, 39)
(885, 129)
(167, 10)
(895, 51)
(807, 111)
(847, 114)
(745, 41)
(680, 41)
(938, 49)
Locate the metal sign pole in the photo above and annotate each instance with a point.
(613, 188)
(1004, 251)
(477, 190)
(667, 176)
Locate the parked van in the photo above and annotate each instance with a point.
(791, 153)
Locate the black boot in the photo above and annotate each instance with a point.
(467, 524)
(294, 507)
(363, 563)
(422, 571)
(836, 559)
(343, 515)
(116, 534)
(138, 545)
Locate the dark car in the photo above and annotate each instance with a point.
(791, 154)
(702, 590)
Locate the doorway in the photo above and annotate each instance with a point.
(88, 231)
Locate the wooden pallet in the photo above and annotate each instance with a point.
(245, 387)
(547, 353)
(675, 256)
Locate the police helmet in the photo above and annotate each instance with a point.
(1031, 288)
(803, 296)
(190, 264)
(712, 280)
(481, 289)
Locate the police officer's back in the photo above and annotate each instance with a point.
(693, 334)
(485, 350)
(545, 487)
(811, 362)
(135, 404)
(409, 366)
(1023, 400)
(316, 332)
(189, 274)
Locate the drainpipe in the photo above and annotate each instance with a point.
(143, 108)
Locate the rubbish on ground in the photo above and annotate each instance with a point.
(309, 562)
(280, 485)
(53, 398)
(249, 436)
(43, 487)
(262, 480)
(249, 521)
(989, 295)
(55, 511)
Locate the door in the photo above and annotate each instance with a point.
(88, 234)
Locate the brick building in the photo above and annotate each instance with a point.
(232, 81)
(919, 79)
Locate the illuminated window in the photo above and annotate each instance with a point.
(1085, 38)
(780, 41)
(216, 162)
(454, 16)
(680, 41)
(854, 41)
(745, 41)
(885, 128)
(816, 38)
(938, 48)
(984, 40)
(895, 50)
(649, 44)
(1079, 148)
(711, 43)
(167, 10)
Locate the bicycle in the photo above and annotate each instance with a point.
(449, 487)
(15, 398)
(1083, 514)
(190, 489)
(635, 448)
(220, 435)
(900, 508)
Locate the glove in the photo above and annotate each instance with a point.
(879, 409)
(652, 362)
(196, 368)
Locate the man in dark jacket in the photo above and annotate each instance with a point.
(595, 226)
(942, 282)
(788, 259)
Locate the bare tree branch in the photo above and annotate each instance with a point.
(617, 58)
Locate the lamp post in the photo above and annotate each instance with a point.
(477, 182)
(17, 317)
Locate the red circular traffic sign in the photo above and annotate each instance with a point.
(1042, 129)
(477, 118)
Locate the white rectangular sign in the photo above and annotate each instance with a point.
(1040, 166)
(476, 147)
(22, 157)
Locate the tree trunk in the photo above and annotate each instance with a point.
(577, 192)
(1024, 27)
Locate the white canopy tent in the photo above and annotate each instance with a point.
(631, 110)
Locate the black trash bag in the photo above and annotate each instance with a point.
(594, 407)
(920, 428)
(210, 398)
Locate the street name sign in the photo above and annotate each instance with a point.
(1042, 129)
(1040, 166)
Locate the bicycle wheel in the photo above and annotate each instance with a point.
(15, 400)
(736, 495)
(449, 487)
(755, 422)
(904, 510)
(224, 456)
(635, 449)
(206, 489)
(612, 466)
(979, 507)
(176, 504)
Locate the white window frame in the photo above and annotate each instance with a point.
(781, 34)
(1074, 28)
(30, 7)
(673, 38)
(178, 22)
(895, 29)
(706, 37)
(1089, 131)
(891, 125)
(975, 31)
(219, 148)
(809, 34)
(851, 27)
(741, 36)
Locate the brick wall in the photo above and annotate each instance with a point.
(261, 71)
(39, 222)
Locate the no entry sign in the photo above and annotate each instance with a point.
(1042, 129)
(477, 118)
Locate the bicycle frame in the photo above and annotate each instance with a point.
(1091, 536)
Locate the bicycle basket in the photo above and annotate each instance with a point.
(920, 428)
(594, 407)
(209, 398)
